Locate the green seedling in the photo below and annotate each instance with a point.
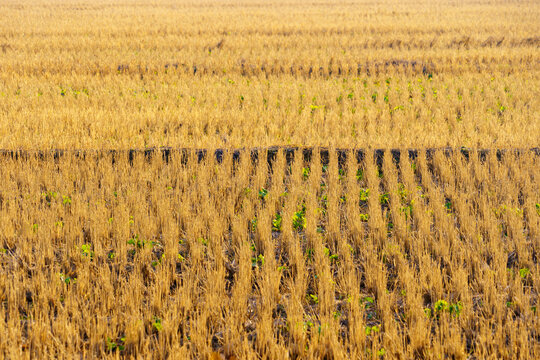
(253, 224)
(158, 261)
(448, 206)
(86, 251)
(372, 329)
(299, 219)
(308, 324)
(112, 345)
(276, 222)
(407, 210)
(364, 194)
(367, 301)
(67, 279)
(257, 261)
(156, 324)
(440, 306)
(136, 241)
(455, 309)
(326, 251)
(140, 243)
(49, 196)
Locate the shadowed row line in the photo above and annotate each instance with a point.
(271, 153)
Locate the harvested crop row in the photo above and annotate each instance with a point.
(386, 74)
(229, 259)
(394, 111)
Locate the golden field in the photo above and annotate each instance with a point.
(416, 258)
(281, 246)
(106, 74)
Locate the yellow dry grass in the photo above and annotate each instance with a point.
(415, 259)
(428, 256)
(107, 74)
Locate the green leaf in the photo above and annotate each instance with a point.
(276, 222)
(364, 194)
(157, 324)
(111, 345)
(441, 305)
(66, 200)
(262, 193)
(524, 272)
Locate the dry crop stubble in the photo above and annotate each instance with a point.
(155, 256)
(136, 74)
(108, 253)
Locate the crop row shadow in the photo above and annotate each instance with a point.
(289, 153)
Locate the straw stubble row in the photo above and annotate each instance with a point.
(236, 260)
